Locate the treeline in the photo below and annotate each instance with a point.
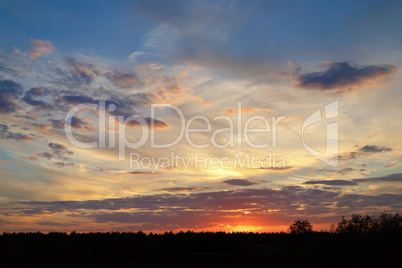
(357, 241)
(357, 224)
(382, 224)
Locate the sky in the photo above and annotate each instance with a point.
(198, 115)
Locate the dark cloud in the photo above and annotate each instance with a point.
(3, 128)
(123, 107)
(374, 149)
(186, 210)
(59, 149)
(17, 136)
(46, 155)
(6, 134)
(57, 123)
(137, 173)
(396, 177)
(365, 150)
(56, 151)
(332, 182)
(9, 91)
(158, 124)
(63, 164)
(80, 73)
(344, 75)
(355, 201)
(288, 199)
(240, 182)
(32, 97)
(276, 168)
(76, 123)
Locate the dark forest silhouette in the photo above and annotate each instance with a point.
(358, 241)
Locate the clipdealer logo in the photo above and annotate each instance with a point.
(235, 140)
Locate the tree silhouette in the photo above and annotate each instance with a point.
(384, 223)
(301, 227)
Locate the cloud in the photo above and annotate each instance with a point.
(365, 150)
(340, 171)
(332, 182)
(9, 91)
(40, 48)
(347, 156)
(354, 201)
(3, 128)
(101, 169)
(158, 124)
(393, 163)
(8, 69)
(374, 149)
(43, 128)
(78, 123)
(246, 110)
(46, 155)
(57, 150)
(30, 158)
(18, 136)
(280, 169)
(37, 92)
(169, 91)
(122, 79)
(240, 182)
(77, 99)
(57, 123)
(123, 107)
(62, 164)
(344, 75)
(206, 209)
(81, 73)
(6, 134)
(137, 173)
(396, 177)
(288, 198)
(184, 189)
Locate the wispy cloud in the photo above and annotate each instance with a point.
(240, 182)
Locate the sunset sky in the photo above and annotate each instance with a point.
(221, 67)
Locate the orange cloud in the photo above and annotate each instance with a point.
(30, 158)
(44, 128)
(158, 124)
(40, 49)
(154, 67)
(122, 79)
